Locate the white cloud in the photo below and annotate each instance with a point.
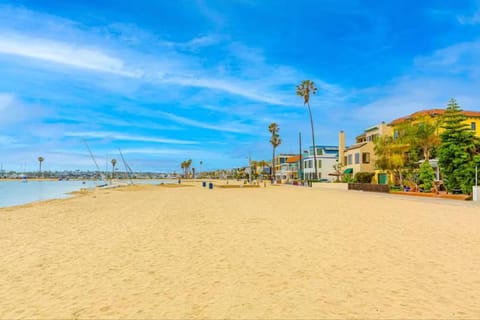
(14, 111)
(125, 137)
(63, 53)
(470, 20)
(451, 72)
(6, 101)
(6, 140)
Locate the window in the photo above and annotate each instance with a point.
(395, 134)
(319, 163)
(344, 160)
(366, 157)
(473, 125)
(349, 157)
(357, 158)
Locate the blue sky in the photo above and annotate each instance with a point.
(166, 81)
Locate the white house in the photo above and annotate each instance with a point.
(327, 158)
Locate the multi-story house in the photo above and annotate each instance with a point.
(327, 157)
(360, 156)
(281, 165)
(289, 169)
(434, 116)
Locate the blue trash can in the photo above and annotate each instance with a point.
(204, 184)
(210, 185)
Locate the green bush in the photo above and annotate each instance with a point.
(427, 175)
(363, 177)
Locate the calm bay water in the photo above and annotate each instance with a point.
(17, 192)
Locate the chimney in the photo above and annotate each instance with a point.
(341, 147)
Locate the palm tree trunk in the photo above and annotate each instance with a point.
(313, 140)
(273, 164)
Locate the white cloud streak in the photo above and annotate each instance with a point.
(93, 59)
(124, 137)
(60, 52)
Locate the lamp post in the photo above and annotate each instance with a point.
(476, 191)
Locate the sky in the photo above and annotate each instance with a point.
(167, 81)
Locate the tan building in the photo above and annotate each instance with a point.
(360, 157)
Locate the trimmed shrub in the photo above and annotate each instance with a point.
(427, 175)
(364, 177)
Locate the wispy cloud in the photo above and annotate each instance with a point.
(125, 137)
(449, 72)
(63, 53)
(165, 63)
(470, 20)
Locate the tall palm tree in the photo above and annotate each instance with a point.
(114, 163)
(275, 141)
(253, 168)
(188, 163)
(304, 90)
(40, 160)
(183, 165)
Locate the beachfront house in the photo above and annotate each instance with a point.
(433, 116)
(288, 170)
(360, 156)
(327, 157)
(281, 166)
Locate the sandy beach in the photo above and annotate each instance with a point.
(157, 252)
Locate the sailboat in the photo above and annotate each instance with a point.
(103, 182)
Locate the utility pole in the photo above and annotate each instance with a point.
(249, 169)
(300, 166)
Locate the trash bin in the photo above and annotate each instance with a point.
(204, 184)
(210, 185)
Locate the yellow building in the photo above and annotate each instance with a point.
(360, 157)
(432, 115)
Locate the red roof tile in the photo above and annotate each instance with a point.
(431, 112)
(293, 159)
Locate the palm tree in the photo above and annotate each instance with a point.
(426, 137)
(40, 160)
(304, 89)
(275, 142)
(183, 165)
(253, 168)
(188, 163)
(114, 162)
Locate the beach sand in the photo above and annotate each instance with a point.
(152, 252)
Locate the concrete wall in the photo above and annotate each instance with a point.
(326, 185)
(476, 194)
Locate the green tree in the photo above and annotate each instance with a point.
(422, 135)
(275, 141)
(304, 90)
(456, 154)
(427, 176)
(40, 160)
(390, 155)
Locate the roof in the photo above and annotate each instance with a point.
(293, 159)
(356, 146)
(432, 113)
